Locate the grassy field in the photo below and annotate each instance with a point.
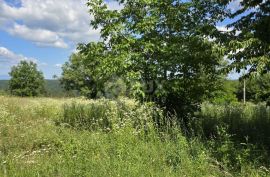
(77, 137)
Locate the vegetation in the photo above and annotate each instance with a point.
(3, 85)
(160, 48)
(53, 88)
(58, 137)
(162, 104)
(248, 42)
(227, 93)
(242, 121)
(257, 89)
(26, 80)
(156, 54)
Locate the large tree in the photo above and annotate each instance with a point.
(164, 49)
(26, 80)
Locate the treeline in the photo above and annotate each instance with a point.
(53, 88)
(257, 90)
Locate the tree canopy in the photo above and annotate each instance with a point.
(249, 41)
(171, 51)
(26, 80)
(162, 49)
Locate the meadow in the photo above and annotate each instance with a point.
(79, 137)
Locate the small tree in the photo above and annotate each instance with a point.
(26, 80)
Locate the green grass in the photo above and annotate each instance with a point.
(56, 137)
(250, 121)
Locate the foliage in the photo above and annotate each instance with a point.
(161, 58)
(238, 133)
(250, 40)
(80, 73)
(226, 94)
(257, 89)
(26, 80)
(3, 92)
(53, 88)
(115, 88)
(235, 156)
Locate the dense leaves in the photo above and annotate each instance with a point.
(26, 80)
(169, 51)
(162, 49)
(226, 94)
(257, 89)
(249, 45)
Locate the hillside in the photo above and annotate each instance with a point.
(3, 84)
(52, 87)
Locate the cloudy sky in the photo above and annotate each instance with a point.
(46, 32)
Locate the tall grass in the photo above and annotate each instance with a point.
(236, 134)
(77, 137)
(246, 122)
(107, 115)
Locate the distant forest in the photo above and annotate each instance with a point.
(52, 87)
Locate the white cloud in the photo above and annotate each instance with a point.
(58, 65)
(57, 23)
(226, 29)
(7, 56)
(41, 37)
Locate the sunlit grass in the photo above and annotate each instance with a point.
(48, 137)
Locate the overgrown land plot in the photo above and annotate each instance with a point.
(77, 137)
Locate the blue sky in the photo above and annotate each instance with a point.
(46, 32)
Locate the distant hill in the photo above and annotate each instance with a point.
(3, 84)
(53, 88)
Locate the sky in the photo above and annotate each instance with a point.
(47, 32)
